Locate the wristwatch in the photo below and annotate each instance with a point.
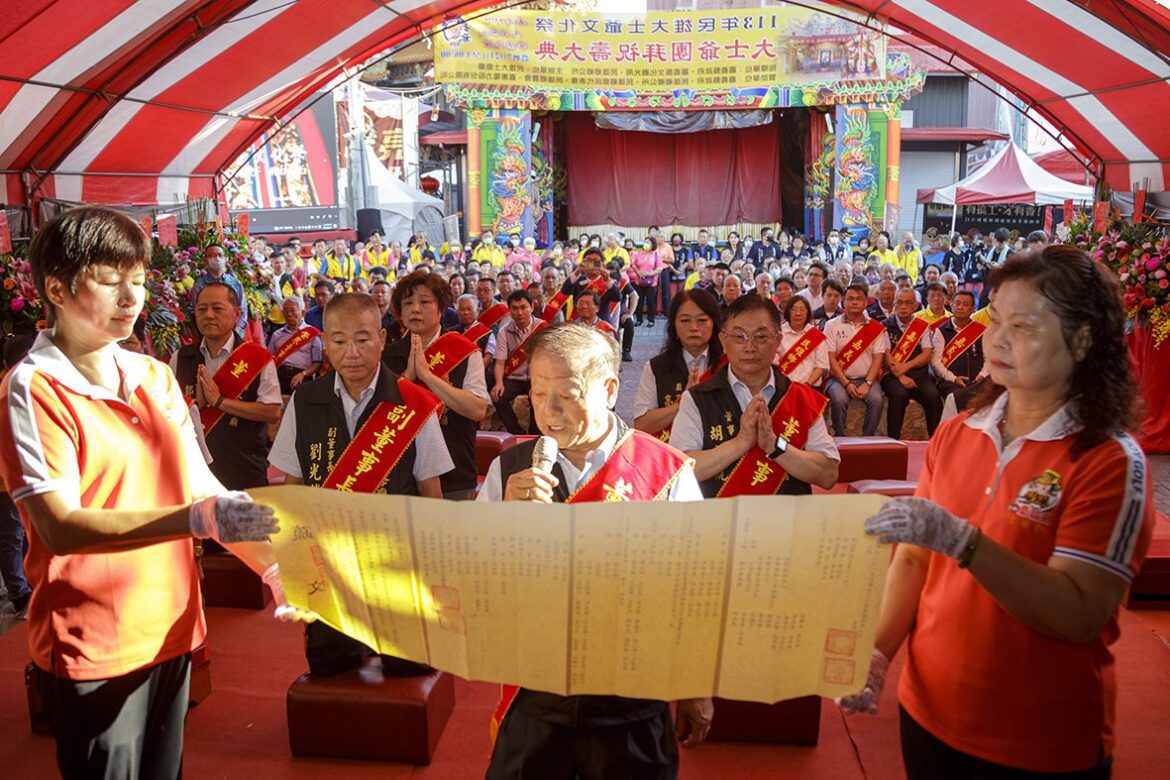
(781, 448)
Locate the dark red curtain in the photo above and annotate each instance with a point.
(717, 177)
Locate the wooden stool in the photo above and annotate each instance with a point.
(364, 714)
(791, 722)
(227, 582)
(871, 457)
(884, 487)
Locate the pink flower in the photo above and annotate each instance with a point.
(1160, 274)
(1124, 276)
(1164, 283)
(17, 304)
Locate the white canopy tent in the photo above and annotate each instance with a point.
(1011, 176)
(404, 210)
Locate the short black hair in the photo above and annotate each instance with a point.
(833, 284)
(935, 287)
(967, 293)
(591, 294)
(233, 296)
(861, 288)
(1038, 235)
(746, 304)
(519, 295)
(323, 283)
(74, 241)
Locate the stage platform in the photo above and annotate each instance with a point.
(239, 731)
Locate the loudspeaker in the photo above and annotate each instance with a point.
(369, 220)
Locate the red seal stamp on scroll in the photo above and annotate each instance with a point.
(445, 598)
(838, 671)
(839, 641)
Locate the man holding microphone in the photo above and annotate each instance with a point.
(587, 450)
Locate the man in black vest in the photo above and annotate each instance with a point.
(911, 377)
(322, 418)
(419, 301)
(239, 441)
(719, 421)
(574, 372)
(965, 374)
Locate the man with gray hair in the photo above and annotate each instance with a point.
(574, 374)
(296, 348)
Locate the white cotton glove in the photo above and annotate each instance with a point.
(920, 522)
(866, 700)
(284, 612)
(232, 517)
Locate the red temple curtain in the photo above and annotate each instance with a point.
(717, 177)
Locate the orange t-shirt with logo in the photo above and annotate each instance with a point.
(95, 616)
(977, 678)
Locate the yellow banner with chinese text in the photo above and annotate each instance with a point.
(683, 50)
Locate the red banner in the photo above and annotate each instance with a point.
(147, 223)
(5, 234)
(1139, 207)
(756, 474)
(168, 230)
(519, 355)
(554, 305)
(965, 338)
(1068, 211)
(804, 347)
(1101, 216)
(243, 224)
(854, 349)
(298, 340)
(483, 326)
(237, 373)
(448, 352)
(910, 338)
(382, 440)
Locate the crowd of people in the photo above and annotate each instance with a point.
(409, 351)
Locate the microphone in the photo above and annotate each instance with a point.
(544, 454)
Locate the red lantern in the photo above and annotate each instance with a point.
(430, 185)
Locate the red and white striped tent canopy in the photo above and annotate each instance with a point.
(1011, 176)
(146, 101)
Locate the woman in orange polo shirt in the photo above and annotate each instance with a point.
(1031, 518)
(98, 451)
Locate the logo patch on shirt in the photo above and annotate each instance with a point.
(1038, 498)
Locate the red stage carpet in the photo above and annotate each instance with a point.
(239, 730)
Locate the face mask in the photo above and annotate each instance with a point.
(558, 251)
(515, 242)
(594, 244)
(748, 244)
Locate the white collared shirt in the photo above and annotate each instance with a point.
(687, 431)
(646, 397)
(431, 457)
(1059, 425)
(685, 487)
(839, 331)
(804, 369)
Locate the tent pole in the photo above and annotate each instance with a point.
(954, 218)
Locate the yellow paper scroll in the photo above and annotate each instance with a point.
(757, 598)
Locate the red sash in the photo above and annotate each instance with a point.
(640, 469)
(860, 342)
(381, 441)
(757, 475)
(555, 304)
(479, 330)
(448, 352)
(804, 347)
(236, 375)
(299, 339)
(913, 334)
(966, 338)
(664, 434)
(605, 328)
(598, 285)
(519, 355)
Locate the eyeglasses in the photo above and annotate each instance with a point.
(761, 338)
